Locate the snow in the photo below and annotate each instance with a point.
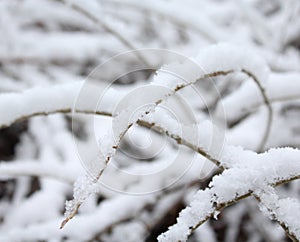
(283, 210)
(221, 57)
(60, 98)
(32, 168)
(250, 172)
(132, 148)
(279, 86)
(103, 217)
(36, 100)
(221, 191)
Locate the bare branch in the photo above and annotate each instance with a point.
(270, 110)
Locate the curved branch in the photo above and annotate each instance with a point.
(179, 140)
(62, 111)
(158, 102)
(268, 105)
(142, 123)
(214, 207)
(279, 99)
(69, 97)
(69, 94)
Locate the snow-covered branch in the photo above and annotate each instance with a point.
(206, 67)
(151, 131)
(34, 168)
(285, 211)
(246, 175)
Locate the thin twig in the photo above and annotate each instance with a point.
(141, 122)
(173, 136)
(109, 29)
(174, 189)
(289, 233)
(270, 110)
(221, 206)
(159, 101)
(170, 16)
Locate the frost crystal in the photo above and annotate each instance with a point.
(69, 208)
(83, 188)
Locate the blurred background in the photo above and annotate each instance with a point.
(51, 42)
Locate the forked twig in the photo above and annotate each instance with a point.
(158, 102)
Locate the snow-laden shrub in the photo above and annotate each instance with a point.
(150, 119)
